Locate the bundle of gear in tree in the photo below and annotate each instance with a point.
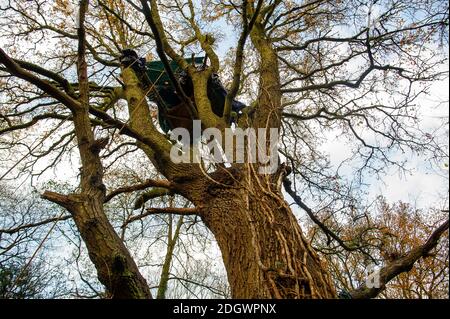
(172, 111)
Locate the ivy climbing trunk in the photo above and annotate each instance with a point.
(263, 248)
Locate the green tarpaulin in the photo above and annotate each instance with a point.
(172, 112)
(157, 75)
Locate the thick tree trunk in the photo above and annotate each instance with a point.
(264, 251)
(263, 248)
(116, 268)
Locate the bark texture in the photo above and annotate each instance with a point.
(116, 268)
(263, 248)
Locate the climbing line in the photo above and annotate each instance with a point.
(143, 98)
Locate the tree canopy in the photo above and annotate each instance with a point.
(79, 125)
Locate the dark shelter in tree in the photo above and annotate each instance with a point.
(341, 81)
(172, 110)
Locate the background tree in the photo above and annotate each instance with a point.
(388, 232)
(18, 284)
(312, 69)
(21, 231)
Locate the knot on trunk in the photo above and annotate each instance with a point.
(118, 266)
(99, 144)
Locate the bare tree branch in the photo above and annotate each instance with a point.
(128, 189)
(16, 70)
(11, 231)
(400, 265)
(166, 210)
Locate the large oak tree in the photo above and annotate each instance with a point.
(307, 68)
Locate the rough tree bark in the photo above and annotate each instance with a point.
(264, 251)
(116, 268)
(263, 248)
